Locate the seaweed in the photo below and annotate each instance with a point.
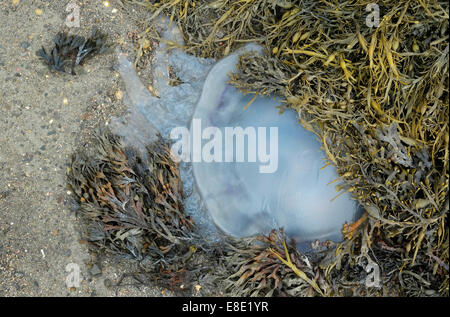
(268, 266)
(135, 207)
(73, 50)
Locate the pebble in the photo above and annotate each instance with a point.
(95, 270)
(27, 158)
(108, 283)
(119, 94)
(38, 11)
(25, 44)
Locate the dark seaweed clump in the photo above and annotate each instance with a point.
(132, 206)
(72, 50)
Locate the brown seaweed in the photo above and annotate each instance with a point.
(72, 50)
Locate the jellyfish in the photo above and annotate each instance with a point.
(238, 186)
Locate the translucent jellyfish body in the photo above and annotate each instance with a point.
(236, 196)
(289, 189)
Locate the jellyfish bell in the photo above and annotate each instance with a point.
(241, 200)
